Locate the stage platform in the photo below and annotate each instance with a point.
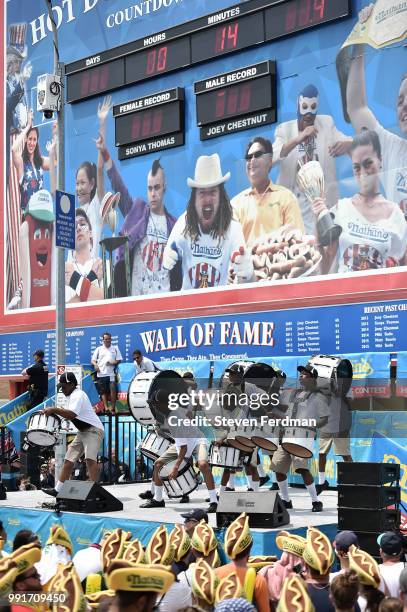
(22, 510)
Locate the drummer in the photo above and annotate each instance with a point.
(307, 402)
(90, 430)
(187, 441)
(237, 386)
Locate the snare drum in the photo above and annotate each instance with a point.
(186, 481)
(43, 429)
(224, 456)
(153, 445)
(266, 438)
(299, 442)
(241, 438)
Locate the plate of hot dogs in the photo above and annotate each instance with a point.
(284, 253)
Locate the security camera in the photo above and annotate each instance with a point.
(49, 91)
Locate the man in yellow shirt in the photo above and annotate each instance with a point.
(264, 206)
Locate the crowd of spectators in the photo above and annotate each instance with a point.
(190, 569)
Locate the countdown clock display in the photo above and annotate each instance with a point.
(241, 26)
(151, 123)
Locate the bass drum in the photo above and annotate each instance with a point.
(334, 373)
(144, 385)
(259, 374)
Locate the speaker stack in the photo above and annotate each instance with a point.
(368, 501)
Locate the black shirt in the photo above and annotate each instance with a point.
(38, 376)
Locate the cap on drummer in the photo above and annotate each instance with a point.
(67, 381)
(308, 376)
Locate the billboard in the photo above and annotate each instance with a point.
(316, 206)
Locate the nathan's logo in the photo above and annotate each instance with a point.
(136, 581)
(362, 368)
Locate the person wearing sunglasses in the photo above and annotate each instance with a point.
(84, 274)
(264, 206)
(309, 137)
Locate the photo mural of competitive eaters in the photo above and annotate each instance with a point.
(305, 198)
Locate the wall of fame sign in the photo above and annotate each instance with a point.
(259, 147)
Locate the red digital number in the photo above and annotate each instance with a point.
(157, 121)
(104, 77)
(220, 104)
(291, 17)
(162, 59)
(156, 62)
(304, 17)
(233, 31)
(319, 9)
(135, 128)
(94, 81)
(232, 101)
(146, 127)
(227, 37)
(245, 97)
(85, 84)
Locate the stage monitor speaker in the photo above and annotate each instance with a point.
(367, 496)
(86, 496)
(367, 473)
(362, 519)
(265, 508)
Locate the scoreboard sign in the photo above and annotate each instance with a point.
(149, 124)
(236, 100)
(206, 38)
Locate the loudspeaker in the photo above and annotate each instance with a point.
(362, 519)
(86, 496)
(365, 496)
(367, 473)
(31, 461)
(368, 542)
(265, 508)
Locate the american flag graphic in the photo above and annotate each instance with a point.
(13, 220)
(204, 271)
(153, 255)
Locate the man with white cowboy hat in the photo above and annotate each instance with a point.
(206, 239)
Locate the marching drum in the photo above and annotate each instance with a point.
(186, 481)
(142, 388)
(260, 374)
(43, 429)
(241, 438)
(224, 456)
(153, 445)
(266, 438)
(299, 441)
(334, 374)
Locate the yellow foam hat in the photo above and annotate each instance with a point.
(294, 596)
(134, 552)
(229, 587)
(258, 561)
(365, 566)
(238, 537)
(290, 542)
(68, 582)
(180, 541)
(95, 599)
(8, 573)
(113, 546)
(204, 582)
(26, 556)
(318, 552)
(58, 535)
(159, 550)
(125, 576)
(204, 539)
